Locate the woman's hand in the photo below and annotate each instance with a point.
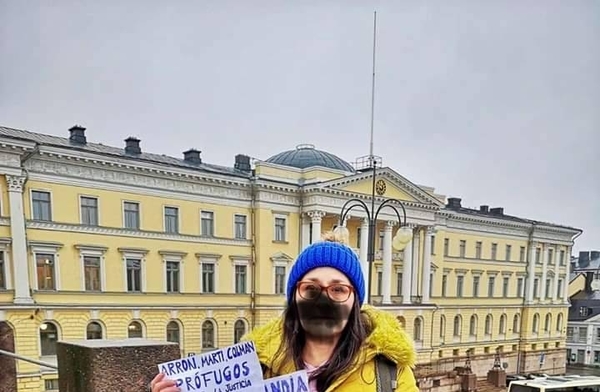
(162, 384)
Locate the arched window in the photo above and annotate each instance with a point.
(93, 331)
(548, 322)
(457, 325)
(559, 322)
(418, 329)
(442, 326)
(239, 330)
(516, 324)
(48, 338)
(488, 324)
(502, 326)
(208, 335)
(536, 323)
(473, 326)
(402, 321)
(135, 330)
(173, 332)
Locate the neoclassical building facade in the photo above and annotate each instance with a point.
(104, 242)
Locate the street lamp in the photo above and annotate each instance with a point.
(400, 240)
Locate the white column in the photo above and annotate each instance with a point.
(416, 261)
(364, 249)
(567, 272)
(386, 280)
(545, 251)
(305, 231)
(427, 264)
(407, 273)
(19, 241)
(555, 294)
(531, 271)
(315, 217)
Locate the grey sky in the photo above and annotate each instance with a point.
(496, 102)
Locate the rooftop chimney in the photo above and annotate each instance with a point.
(453, 202)
(132, 145)
(77, 135)
(484, 209)
(242, 162)
(497, 211)
(192, 156)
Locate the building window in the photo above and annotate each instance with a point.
(2, 271)
(505, 283)
(92, 273)
(239, 330)
(562, 257)
(418, 329)
(379, 282)
(463, 248)
(494, 251)
(442, 327)
(536, 288)
(173, 332)
(46, 271)
(538, 254)
(48, 338)
(520, 287)
(280, 280)
(208, 277)
(550, 256)
(444, 285)
(42, 205)
(457, 326)
(548, 323)
(135, 330)
(431, 285)
(381, 240)
(240, 279)
(559, 322)
(131, 215)
(502, 326)
(478, 246)
(399, 278)
(548, 292)
(89, 210)
(459, 285)
(559, 288)
(536, 323)
(134, 275)
(516, 324)
(207, 219)
(172, 220)
(173, 275)
(433, 245)
(51, 385)
(488, 325)
(93, 331)
(208, 335)
(508, 251)
(491, 285)
(446, 246)
(476, 286)
(358, 234)
(280, 229)
(473, 326)
(522, 253)
(240, 227)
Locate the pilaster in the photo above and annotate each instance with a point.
(426, 283)
(530, 271)
(386, 280)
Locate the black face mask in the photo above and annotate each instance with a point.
(320, 317)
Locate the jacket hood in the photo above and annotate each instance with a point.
(387, 338)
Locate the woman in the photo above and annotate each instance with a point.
(325, 331)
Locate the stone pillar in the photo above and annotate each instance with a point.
(416, 260)
(19, 240)
(531, 271)
(386, 280)
(426, 284)
(407, 272)
(305, 231)
(545, 251)
(111, 365)
(555, 294)
(567, 272)
(364, 251)
(316, 217)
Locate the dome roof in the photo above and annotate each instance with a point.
(306, 155)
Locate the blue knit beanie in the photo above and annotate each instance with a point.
(327, 254)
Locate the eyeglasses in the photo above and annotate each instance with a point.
(337, 292)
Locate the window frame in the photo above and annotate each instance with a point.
(177, 217)
(139, 214)
(92, 251)
(85, 196)
(51, 209)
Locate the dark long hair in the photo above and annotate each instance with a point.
(345, 354)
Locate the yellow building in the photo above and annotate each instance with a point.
(108, 242)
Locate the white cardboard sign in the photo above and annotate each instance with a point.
(293, 382)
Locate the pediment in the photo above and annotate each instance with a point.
(281, 257)
(396, 187)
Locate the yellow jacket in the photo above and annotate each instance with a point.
(387, 338)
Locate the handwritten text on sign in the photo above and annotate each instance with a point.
(293, 382)
(233, 368)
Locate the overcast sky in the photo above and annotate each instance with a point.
(496, 102)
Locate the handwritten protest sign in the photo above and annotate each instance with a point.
(233, 368)
(293, 382)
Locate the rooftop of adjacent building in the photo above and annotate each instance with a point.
(585, 304)
(302, 157)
